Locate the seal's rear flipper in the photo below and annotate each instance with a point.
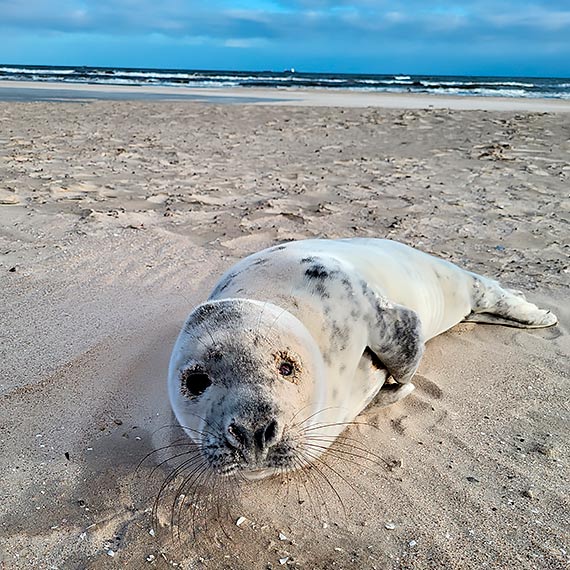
(494, 304)
(547, 319)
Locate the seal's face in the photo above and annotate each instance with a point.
(241, 382)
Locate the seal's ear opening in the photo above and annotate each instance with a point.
(396, 339)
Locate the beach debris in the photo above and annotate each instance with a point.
(13, 269)
(86, 213)
(545, 449)
(389, 526)
(472, 479)
(151, 558)
(158, 198)
(151, 532)
(240, 521)
(395, 464)
(111, 553)
(8, 197)
(412, 544)
(283, 560)
(282, 536)
(494, 151)
(529, 493)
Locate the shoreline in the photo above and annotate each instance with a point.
(66, 92)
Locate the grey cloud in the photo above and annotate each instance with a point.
(361, 22)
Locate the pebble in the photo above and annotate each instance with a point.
(389, 526)
(111, 553)
(240, 521)
(412, 543)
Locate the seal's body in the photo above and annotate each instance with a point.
(297, 339)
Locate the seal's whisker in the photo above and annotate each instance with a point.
(190, 480)
(290, 294)
(298, 490)
(180, 426)
(266, 336)
(318, 482)
(333, 442)
(298, 412)
(220, 517)
(304, 467)
(349, 483)
(194, 452)
(314, 467)
(163, 486)
(202, 482)
(172, 475)
(161, 493)
(342, 454)
(202, 342)
(258, 328)
(207, 422)
(204, 322)
(197, 484)
(333, 488)
(188, 443)
(312, 415)
(335, 424)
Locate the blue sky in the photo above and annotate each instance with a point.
(495, 37)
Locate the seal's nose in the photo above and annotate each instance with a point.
(261, 438)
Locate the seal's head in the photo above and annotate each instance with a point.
(243, 376)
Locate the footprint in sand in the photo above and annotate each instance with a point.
(428, 387)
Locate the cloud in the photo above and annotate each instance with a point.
(309, 28)
(285, 18)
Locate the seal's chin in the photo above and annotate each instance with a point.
(257, 474)
(246, 473)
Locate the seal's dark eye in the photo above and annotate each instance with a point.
(286, 368)
(194, 383)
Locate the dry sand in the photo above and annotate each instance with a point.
(116, 219)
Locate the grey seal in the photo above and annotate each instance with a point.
(295, 341)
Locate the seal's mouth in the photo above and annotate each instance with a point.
(226, 460)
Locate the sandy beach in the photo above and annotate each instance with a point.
(118, 216)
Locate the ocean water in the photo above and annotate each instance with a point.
(437, 84)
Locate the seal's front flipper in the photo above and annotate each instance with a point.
(496, 305)
(395, 337)
(391, 393)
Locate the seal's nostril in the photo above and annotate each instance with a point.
(271, 432)
(238, 435)
(266, 435)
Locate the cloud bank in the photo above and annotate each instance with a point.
(367, 34)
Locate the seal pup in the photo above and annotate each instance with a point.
(294, 341)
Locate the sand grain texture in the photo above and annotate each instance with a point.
(117, 217)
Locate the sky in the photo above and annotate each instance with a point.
(467, 37)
